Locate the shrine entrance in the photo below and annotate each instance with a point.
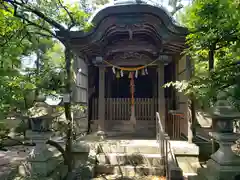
(131, 52)
(119, 87)
(125, 88)
(120, 96)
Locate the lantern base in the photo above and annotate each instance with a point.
(224, 164)
(214, 171)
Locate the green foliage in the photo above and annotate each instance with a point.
(13, 95)
(60, 124)
(18, 85)
(212, 22)
(44, 17)
(13, 43)
(213, 25)
(3, 132)
(41, 19)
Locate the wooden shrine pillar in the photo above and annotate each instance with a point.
(190, 109)
(161, 95)
(101, 99)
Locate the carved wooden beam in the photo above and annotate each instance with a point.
(131, 48)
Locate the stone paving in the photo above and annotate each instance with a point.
(9, 160)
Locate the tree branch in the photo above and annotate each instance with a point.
(60, 149)
(37, 13)
(30, 22)
(73, 22)
(44, 35)
(7, 40)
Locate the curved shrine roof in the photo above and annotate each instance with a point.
(137, 3)
(134, 20)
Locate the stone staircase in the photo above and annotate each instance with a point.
(134, 159)
(144, 129)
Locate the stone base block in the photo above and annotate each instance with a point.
(175, 174)
(184, 148)
(85, 163)
(79, 159)
(81, 147)
(38, 167)
(215, 171)
(58, 174)
(129, 170)
(150, 148)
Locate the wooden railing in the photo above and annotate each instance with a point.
(173, 127)
(163, 140)
(117, 108)
(172, 170)
(120, 108)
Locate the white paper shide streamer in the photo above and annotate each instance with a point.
(121, 73)
(113, 69)
(146, 71)
(136, 74)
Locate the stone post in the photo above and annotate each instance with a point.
(224, 163)
(42, 161)
(40, 138)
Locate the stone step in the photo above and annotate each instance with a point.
(130, 127)
(133, 135)
(130, 159)
(137, 130)
(129, 170)
(138, 123)
(146, 147)
(129, 123)
(188, 164)
(202, 174)
(120, 177)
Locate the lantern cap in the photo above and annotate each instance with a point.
(223, 108)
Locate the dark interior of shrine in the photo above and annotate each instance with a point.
(120, 86)
(145, 85)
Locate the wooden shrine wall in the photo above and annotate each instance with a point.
(182, 99)
(80, 94)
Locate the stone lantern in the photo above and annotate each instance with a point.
(223, 115)
(42, 160)
(43, 112)
(224, 163)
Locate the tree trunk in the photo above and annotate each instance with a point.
(211, 61)
(67, 106)
(60, 149)
(37, 70)
(194, 119)
(211, 57)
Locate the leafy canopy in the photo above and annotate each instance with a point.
(213, 25)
